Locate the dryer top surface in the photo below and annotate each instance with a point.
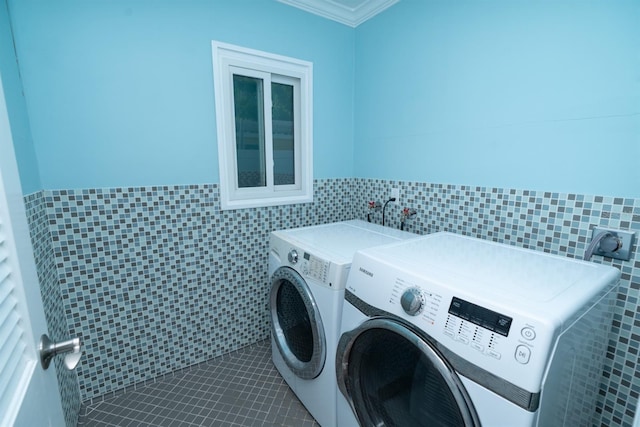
(339, 241)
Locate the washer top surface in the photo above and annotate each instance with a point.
(339, 241)
(505, 272)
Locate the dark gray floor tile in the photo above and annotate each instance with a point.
(239, 389)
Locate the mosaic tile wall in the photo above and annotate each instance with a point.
(52, 301)
(155, 279)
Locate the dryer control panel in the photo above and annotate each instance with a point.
(314, 267)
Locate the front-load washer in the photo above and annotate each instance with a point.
(308, 268)
(447, 330)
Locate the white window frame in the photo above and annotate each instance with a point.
(228, 59)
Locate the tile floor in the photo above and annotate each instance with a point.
(239, 389)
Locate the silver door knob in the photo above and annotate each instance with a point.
(48, 349)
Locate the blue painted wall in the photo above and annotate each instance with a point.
(537, 95)
(120, 93)
(16, 106)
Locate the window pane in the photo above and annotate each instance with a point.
(249, 115)
(283, 135)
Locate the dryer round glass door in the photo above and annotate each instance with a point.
(392, 376)
(296, 324)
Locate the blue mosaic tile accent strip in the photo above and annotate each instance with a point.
(556, 223)
(52, 301)
(156, 279)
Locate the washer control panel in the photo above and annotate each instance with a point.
(478, 327)
(487, 332)
(480, 316)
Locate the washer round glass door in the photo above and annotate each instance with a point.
(296, 324)
(393, 376)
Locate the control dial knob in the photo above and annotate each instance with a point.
(293, 256)
(412, 301)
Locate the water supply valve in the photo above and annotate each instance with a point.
(373, 206)
(406, 213)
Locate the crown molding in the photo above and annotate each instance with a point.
(348, 12)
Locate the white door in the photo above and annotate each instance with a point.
(29, 395)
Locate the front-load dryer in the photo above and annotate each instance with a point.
(308, 268)
(447, 330)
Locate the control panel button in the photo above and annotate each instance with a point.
(293, 256)
(528, 333)
(494, 354)
(523, 354)
(477, 346)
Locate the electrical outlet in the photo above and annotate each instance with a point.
(626, 237)
(395, 192)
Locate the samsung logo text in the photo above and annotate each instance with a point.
(367, 272)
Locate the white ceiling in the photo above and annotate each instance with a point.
(348, 12)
